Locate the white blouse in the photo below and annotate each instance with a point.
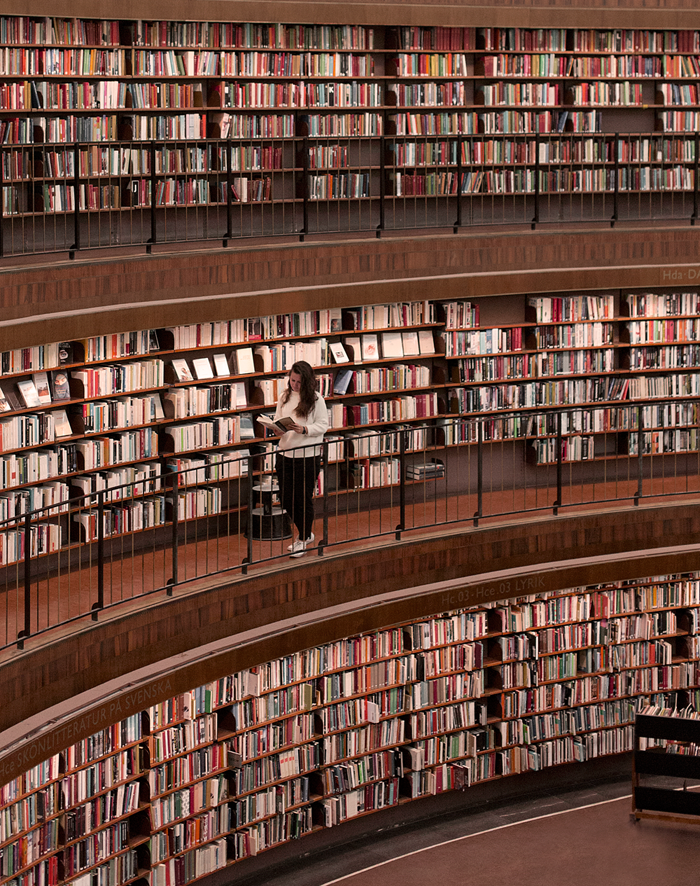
(294, 445)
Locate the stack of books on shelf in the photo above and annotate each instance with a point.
(429, 470)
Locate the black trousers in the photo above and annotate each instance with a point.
(297, 480)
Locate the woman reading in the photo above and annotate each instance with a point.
(299, 451)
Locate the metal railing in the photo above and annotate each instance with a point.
(59, 197)
(206, 515)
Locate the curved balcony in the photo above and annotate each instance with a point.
(213, 592)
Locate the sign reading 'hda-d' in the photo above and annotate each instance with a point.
(683, 274)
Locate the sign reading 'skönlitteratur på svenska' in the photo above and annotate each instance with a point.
(54, 740)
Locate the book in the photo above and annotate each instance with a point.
(182, 369)
(338, 351)
(221, 365)
(336, 319)
(342, 381)
(202, 368)
(409, 340)
(370, 347)
(255, 329)
(158, 414)
(392, 345)
(355, 348)
(61, 424)
(222, 123)
(426, 342)
(43, 389)
(60, 386)
(264, 357)
(4, 403)
(65, 352)
(239, 189)
(416, 758)
(241, 397)
(28, 393)
(243, 361)
(246, 426)
(430, 470)
(281, 424)
(13, 398)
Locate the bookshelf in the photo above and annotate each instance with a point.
(665, 765)
(227, 770)
(285, 129)
(576, 373)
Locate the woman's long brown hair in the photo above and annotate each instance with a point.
(307, 389)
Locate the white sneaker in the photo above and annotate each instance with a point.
(300, 552)
(300, 545)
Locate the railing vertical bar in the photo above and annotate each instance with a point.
(616, 191)
(558, 499)
(154, 185)
(305, 188)
(248, 559)
(100, 556)
(175, 536)
(479, 472)
(536, 217)
(26, 630)
(324, 468)
(640, 454)
(402, 482)
(76, 203)
(2, 204)
(458, 220)
(229, 191)
(696, 184)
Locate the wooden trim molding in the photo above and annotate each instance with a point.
(97, 296)
(527, 13)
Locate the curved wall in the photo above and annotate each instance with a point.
(51, 300)
(90, 678)
(197, 635)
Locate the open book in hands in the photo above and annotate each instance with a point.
(282, 424)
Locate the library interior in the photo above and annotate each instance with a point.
(476, 223)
